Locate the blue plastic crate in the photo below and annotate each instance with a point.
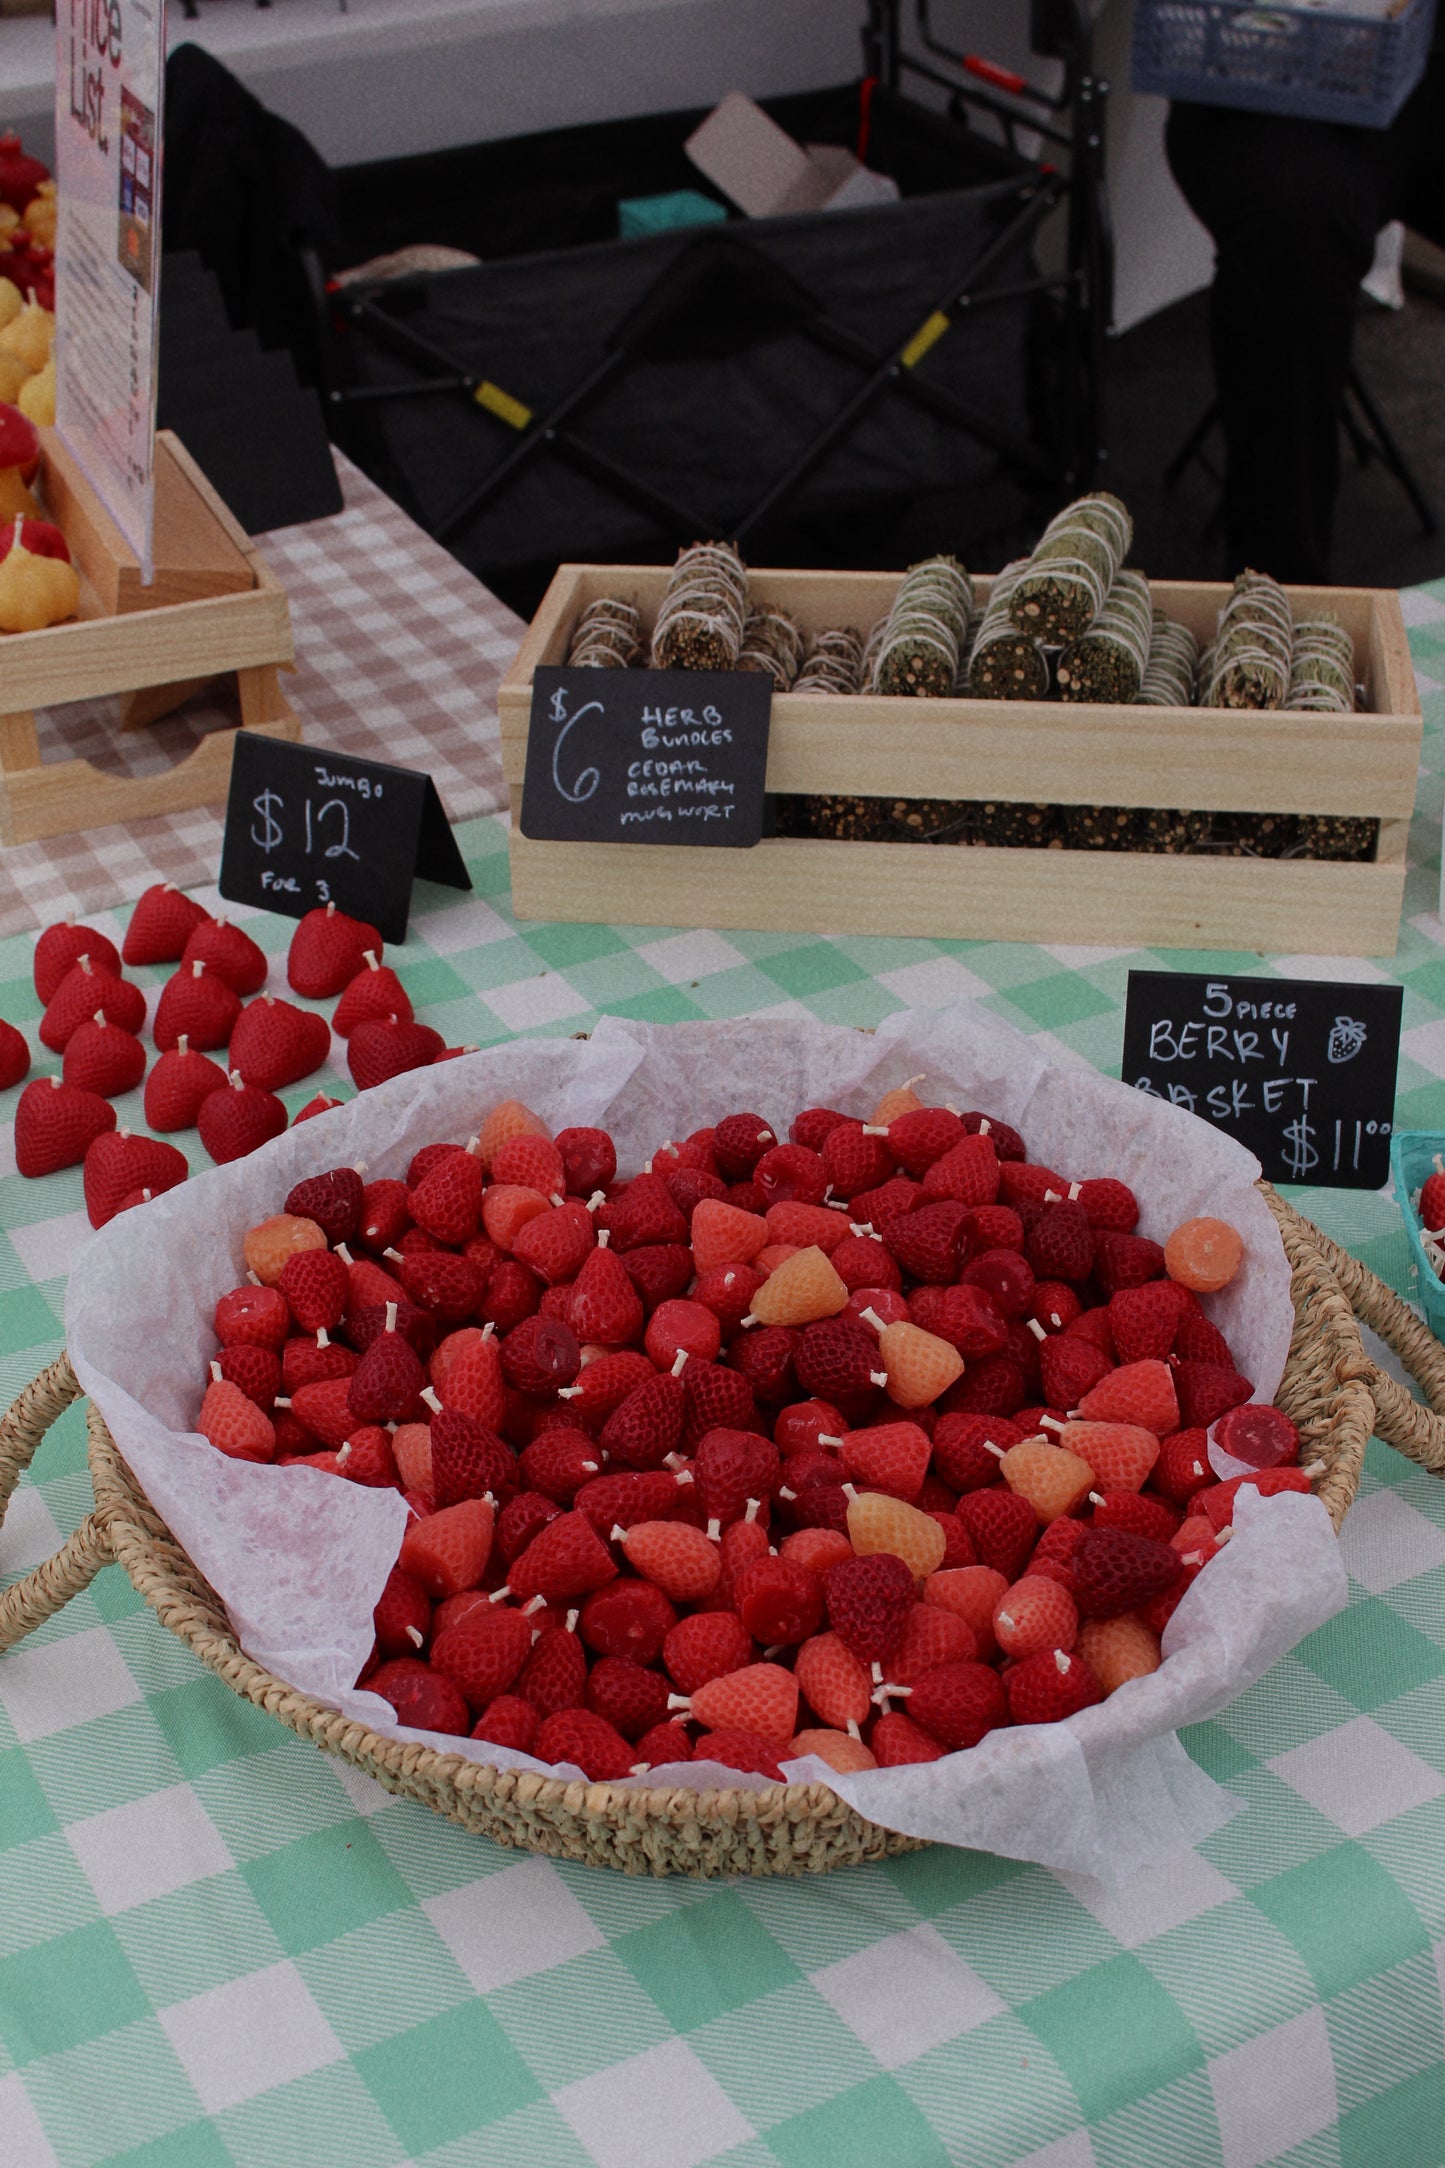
(1413, 1153)
(1305, 62)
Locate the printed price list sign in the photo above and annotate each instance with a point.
(305, 828)
(1301, 1071)
(109, 93)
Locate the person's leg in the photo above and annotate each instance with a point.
(1417, 184)
(1293, 207)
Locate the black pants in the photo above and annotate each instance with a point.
(1294, 207)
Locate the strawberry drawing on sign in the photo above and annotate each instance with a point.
(1347, 1037)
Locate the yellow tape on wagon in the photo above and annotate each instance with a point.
(928, 334)
(502, 404)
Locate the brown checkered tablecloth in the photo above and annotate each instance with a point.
(398, 655)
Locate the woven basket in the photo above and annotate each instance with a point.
(1331, 1388)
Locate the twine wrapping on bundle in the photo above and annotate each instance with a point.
(703, 611)
(1322, 667)
(772, 645)
(1248, 665)
(1169, 674)
(1006, 664)
(1108, 659)
(926, 631)
(1068, 576)
(608, 636)
(834, 662)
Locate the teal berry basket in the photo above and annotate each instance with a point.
(1413, 1159)
(1300, 61)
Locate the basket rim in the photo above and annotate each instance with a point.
(1324, 1387)
(1323, 1379)
(182, 1597)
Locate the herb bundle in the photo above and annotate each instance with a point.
(834, 663)
(1006, 664)
(1254, 835)
(703, 612)
(772, 644)
(1097, 827)
(1011, 825)
(1169, 829)
(1322, 667)
(941, 821)
(608, 636)
(1168, 680)
(1107, 661)
(1248, 665)
(1335, 835)
(1161, 830)
(1066, 580)
(926, 631)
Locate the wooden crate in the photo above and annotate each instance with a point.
(213, 609)
(1032, 751)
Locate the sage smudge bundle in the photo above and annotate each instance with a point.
(704, 609)
(1006, 664)
(1098, 827)
(1322, 667)
(1067, 579)
(926, 630)
(1108, 659)
(607, 636)
(1168, 680)
(1166, 829)
(833, 664)
(1248, 665)
(772, 644)
(1336, 835)
(854, 819)
(1011, 825)
(1155, 829)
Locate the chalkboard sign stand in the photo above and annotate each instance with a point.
(215, 609)
(1300, 1071)
(306, 827)
(654, 757)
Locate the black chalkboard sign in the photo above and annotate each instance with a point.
(1301, 1071)
(305, 827)
(647, 756)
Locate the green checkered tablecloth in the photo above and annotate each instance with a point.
(217, 1946)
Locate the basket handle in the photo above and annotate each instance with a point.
(47, 1588)
(1417, 1432)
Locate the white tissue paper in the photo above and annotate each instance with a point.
(299, 1558)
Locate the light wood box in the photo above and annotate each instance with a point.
(1033, 751)
(214, 608)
